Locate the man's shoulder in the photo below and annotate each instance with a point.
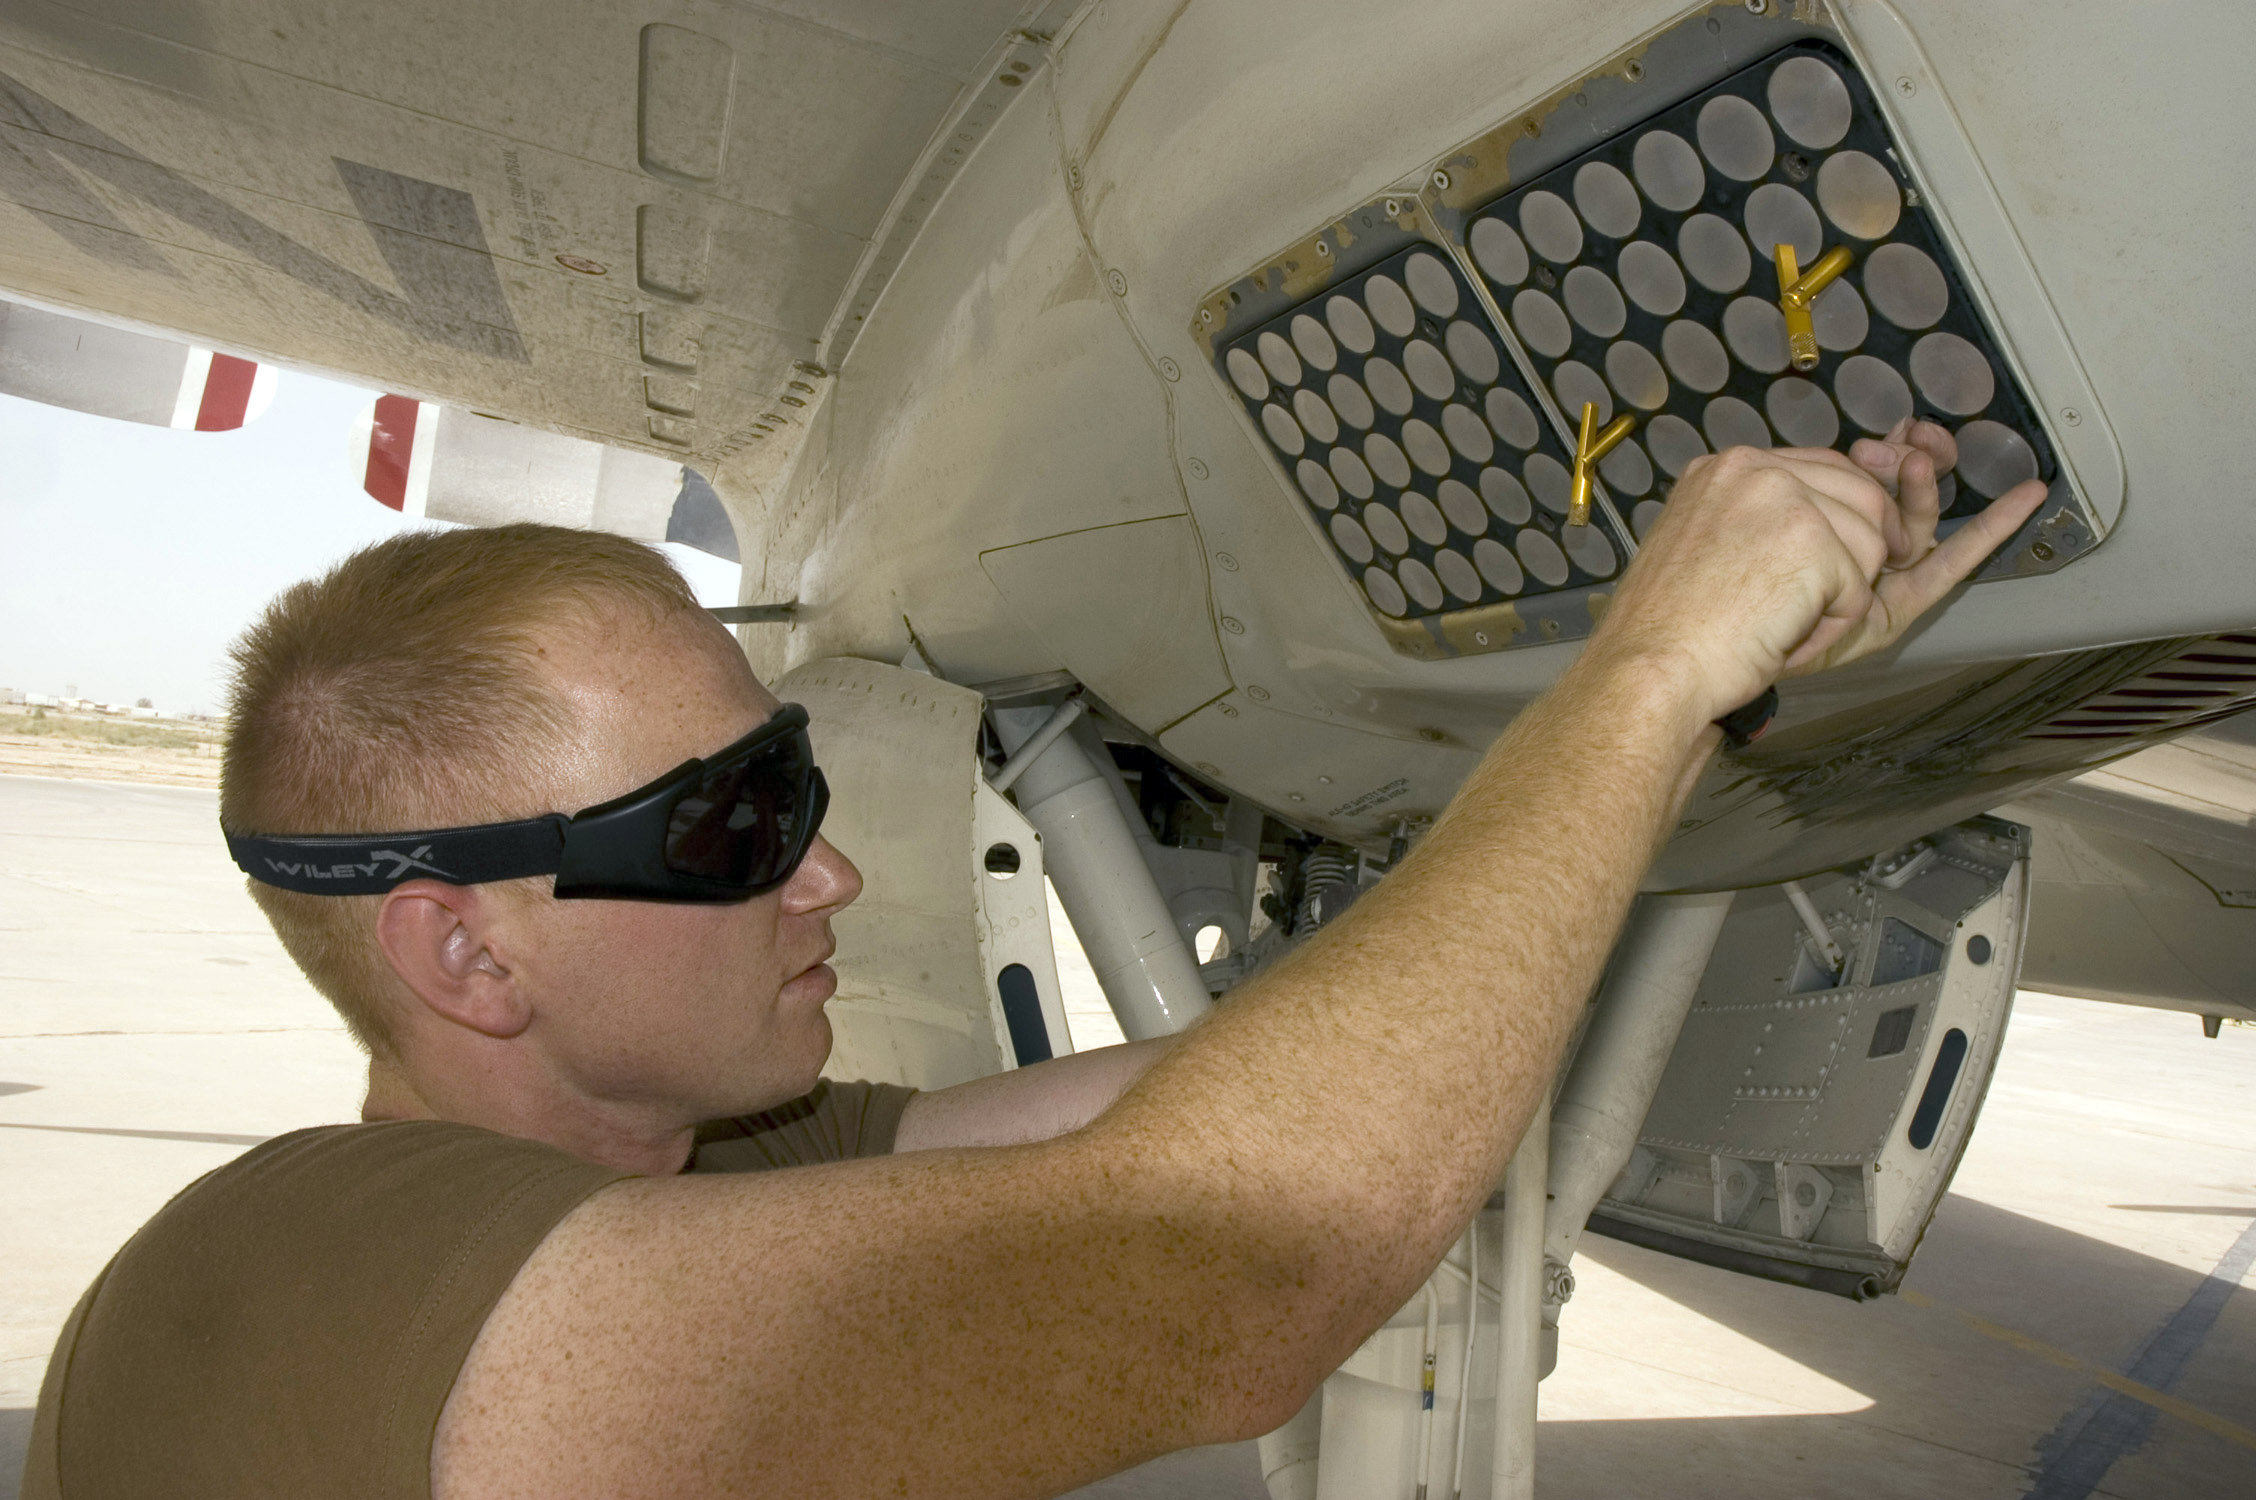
(365, 1213)
(314, 1182)
(325, 1284)
(380, 1155)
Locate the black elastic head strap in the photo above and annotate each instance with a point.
(370, 864)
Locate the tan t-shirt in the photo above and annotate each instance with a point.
(291, 1324)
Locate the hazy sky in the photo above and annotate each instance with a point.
(130, 555)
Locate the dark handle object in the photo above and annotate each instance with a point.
(1744, 725)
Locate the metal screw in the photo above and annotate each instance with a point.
(1323, 249)
(1229, 563)
(1757, 7)
(1206, 315)
(1209, 767)
(2071, 416)
(1393, 209)
(1323, 781)
(1906, 86)
(1297, 797)
(1534, 127)
(1796, 166)
(2042, 551)
(1441, 181)
(1233, 624)
(1436, 736)
(1634, 72)
(1481, 636)
(1197, 467)
(1118, 280)
(1258, 694)
(1558, 1283)
(1073, 178)
(1229, 710)
(1169, 368)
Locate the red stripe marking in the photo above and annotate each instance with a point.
(227, 392)
(391, 441)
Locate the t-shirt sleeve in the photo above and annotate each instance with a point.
(292, 1324)
(837, 1122)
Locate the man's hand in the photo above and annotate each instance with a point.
(1773, 563)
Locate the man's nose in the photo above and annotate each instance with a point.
(825, 879)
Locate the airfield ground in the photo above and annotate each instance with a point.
(2078, 1325)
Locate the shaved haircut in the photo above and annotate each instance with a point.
(402, 690)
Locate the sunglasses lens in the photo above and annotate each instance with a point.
(748, 821)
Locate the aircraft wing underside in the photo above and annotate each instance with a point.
(985, 320)
(646, 234)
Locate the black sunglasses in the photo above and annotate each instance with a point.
(727, 828)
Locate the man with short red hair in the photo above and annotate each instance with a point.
(520, 809)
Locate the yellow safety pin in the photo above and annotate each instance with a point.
(1797, 289)
(1591, 446)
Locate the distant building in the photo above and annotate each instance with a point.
(41, 700)
(143, 713)
(11, 695)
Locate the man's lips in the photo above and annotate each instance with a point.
(819, 972)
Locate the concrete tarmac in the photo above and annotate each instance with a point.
(2075, 1324)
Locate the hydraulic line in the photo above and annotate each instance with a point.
(1426, 1389)
(1465, 1370)
(1090, 853)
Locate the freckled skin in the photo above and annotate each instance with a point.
(1001, 1316)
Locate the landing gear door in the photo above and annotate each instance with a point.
(944, 966)
(1813, 1111)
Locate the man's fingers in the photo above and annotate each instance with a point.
(1919, 505)
(1852, 604)
(1879, 459)
(1916, 589)
(1864, 537)
(1827, 635)
(1936, 442)
(1836, 477)
(1827, 456)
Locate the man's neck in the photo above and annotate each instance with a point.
(615, 1137)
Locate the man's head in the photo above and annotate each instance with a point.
(450, 678)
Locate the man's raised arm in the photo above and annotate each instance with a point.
(1016, 1320)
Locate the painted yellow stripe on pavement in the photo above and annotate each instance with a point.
(2161, 1401)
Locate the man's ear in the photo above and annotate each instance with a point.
(441, 941)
